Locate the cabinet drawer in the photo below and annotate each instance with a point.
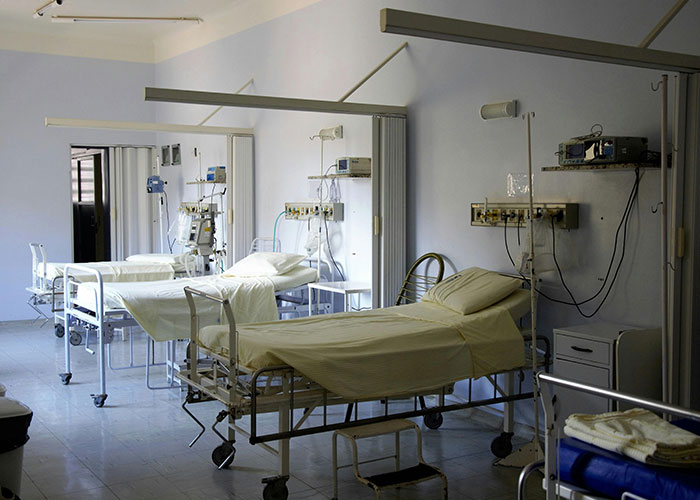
(584, 349)
(575, 401)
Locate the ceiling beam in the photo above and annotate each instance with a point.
(490, 35)
(269, 102)
(146, 126)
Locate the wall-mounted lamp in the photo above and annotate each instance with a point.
(329, 134)
(119, 19)
(48, 5)
(507, 109)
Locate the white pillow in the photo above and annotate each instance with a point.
(472, 290)
(264, 264)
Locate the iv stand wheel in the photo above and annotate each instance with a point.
(275, 488)
(59, 331)
(433, 420)
(223, 455)
(502, 446)
(99, 400)
(65, 378)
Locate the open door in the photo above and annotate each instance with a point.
(91, 230)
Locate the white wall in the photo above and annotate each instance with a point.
(35, 196)
(455, 158)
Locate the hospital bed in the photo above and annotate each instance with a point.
(94, 309)
(47, 277)
(302, 366)
(577, 470)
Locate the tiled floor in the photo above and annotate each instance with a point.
(136, 446)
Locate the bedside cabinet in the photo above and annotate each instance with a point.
(608, 355)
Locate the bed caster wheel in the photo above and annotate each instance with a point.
(433, 420)
(502, 446)
(223, 455)
(275, 488)
(75, 338)
(65, 378)
(99, 400)
(59, 331)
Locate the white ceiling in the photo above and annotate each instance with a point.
(16, 15)
(19, 30)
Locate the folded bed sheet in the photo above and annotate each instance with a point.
(610, 474)
(382, 352)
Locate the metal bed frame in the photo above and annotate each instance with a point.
(44, 291)
(101, 324)
(553, 487)
(283, 390)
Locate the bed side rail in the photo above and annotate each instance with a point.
(70, 286)
(190, 294)
(544, 380)
(38, 265)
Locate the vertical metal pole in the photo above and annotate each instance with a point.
(533, 301)
(284, 427)
(664, 241)
(66, 320)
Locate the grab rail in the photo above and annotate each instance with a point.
(550, 463)
(194, 328)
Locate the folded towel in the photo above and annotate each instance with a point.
(638, 434)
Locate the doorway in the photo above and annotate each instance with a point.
(91, 204)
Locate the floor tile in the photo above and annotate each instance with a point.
(136, 447)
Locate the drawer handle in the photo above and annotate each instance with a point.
(581, 349)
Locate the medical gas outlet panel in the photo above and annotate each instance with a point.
(307, 210)
(489, 214)
(197, 208)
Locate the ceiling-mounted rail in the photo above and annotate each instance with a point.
(489, 35)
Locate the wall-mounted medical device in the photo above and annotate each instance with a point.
(306, 210)
(353, 166)
(177, 156)
(155, 184)
(195, 207)
(216, 174)
(165, 156)
(489, 214)
(201, 235)
(602, 149)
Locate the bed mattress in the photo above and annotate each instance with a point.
(297, 276)
(380, 352)
(117, 271)
(610, 474)
(180, 262)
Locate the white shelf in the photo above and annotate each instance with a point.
(340, 176)
(593, 167)
(205, 182)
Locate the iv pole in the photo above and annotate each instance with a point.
(531, 451)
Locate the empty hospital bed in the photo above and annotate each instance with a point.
(47, 277)
(577, 470)
(160, 307)
(295, 367)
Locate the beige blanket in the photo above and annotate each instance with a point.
(639, 434)
(382, 352)
(160, 307)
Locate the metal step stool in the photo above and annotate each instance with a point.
(396, 479)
